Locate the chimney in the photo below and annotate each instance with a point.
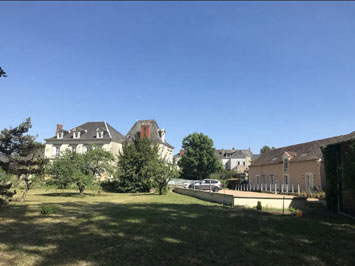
(145, 130)
(163, 134)
(59, 127)
(181, 152)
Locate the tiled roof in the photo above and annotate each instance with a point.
(299, 152)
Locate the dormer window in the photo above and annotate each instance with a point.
(60, 135)
(76, 135)
(100, 134)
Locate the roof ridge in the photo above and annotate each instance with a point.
(302, 143)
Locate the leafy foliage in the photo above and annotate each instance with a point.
(330, 156)
(2, 73)
(80, 169)
(199, 159)
(160, 173)
(266, 148)
(349, 167)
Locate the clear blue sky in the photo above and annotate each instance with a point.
(244, 73)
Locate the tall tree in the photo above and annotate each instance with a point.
(21, 154)
(199, 159)
(80, 169)
(132, 174)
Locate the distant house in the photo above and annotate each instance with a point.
(236, 160)
(299, 164)
(151, 130)
(82, 137)
(103, 135)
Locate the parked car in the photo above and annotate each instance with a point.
(210, 184)
(194, 184)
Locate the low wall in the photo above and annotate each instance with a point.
(209, 196)
(275, 203)
(251, 202)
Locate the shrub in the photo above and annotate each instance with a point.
(258, 206)
(48, 209)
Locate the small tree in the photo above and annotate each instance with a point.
(80, 169)
(132, 173)
(199, 159)
(161, 173)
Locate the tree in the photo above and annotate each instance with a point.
(80, 169)
(161, 173)
(132, 173)
(266, 148)
(2, 73)
(21, 154)
(199, 159)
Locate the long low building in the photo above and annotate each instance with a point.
(103, 135)
(300, 165)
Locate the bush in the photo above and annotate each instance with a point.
(258, 206)
(48, 209)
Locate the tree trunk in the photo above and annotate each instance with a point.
(27, 188)
(81, 189)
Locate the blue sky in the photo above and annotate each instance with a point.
(244, 73)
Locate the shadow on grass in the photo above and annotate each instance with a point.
(68, 194)
(173, 234)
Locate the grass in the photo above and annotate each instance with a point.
(146, 229)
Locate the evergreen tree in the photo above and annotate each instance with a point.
(199, 159)
(132, 174)
(21, 155)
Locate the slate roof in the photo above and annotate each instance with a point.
(154, 128)
(226, 154)
(299, 152)
(88, 131)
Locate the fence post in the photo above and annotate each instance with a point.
(287, 188)
(275, 188)
(299, 188)
(293, 189)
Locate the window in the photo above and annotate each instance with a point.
(100, 135)
(76, 135)
(244, 163)
(272, 179)
(286, 179)
(57, 151)
(263, 179)
(285, 164)
(60, 135)
(238, 163)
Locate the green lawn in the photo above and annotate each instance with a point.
(145, 229)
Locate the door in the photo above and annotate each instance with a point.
(309, 182)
